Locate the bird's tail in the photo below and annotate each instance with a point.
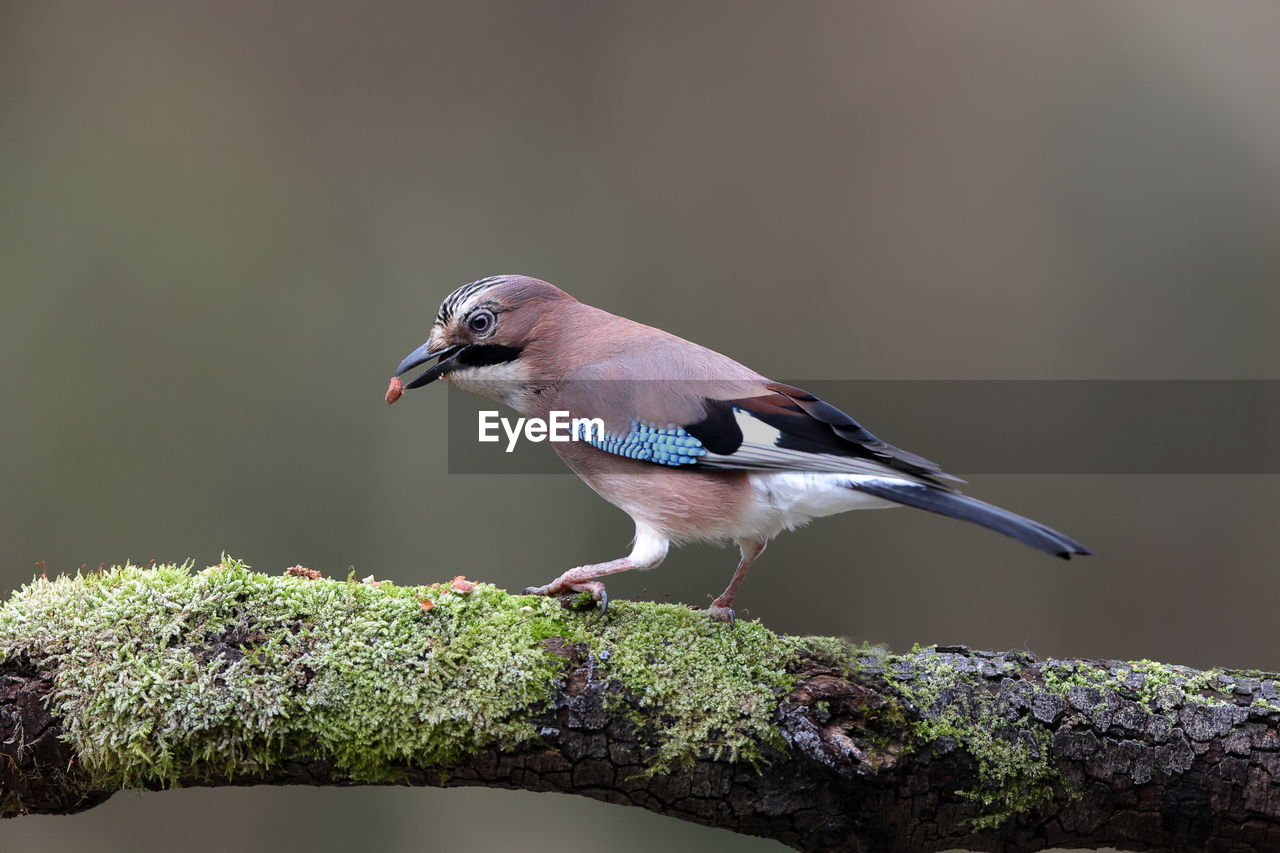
(965, 508)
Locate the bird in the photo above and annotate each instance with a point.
(692, 445)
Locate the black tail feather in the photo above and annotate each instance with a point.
(965, 508)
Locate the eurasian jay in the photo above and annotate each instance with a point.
(695, 447)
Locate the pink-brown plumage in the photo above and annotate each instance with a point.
(686, 506)
(766, 457)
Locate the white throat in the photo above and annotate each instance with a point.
(507, 382)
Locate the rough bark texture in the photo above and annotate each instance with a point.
(1135, 756)
(868, 751)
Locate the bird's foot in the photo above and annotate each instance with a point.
(721, 613)
(599, 596)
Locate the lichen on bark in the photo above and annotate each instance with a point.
(155, 677)
(165, 673)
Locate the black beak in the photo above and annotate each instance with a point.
(422, 355)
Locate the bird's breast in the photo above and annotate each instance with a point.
(684, 505)
(690, 505)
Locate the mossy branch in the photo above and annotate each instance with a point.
(150, 678)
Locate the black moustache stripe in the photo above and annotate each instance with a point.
(483, 355)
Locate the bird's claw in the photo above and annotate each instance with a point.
(599, 596)
(569, 595)
(722, 614)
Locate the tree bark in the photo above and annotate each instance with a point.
(940, 748)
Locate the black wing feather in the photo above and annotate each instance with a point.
(808, 434)
(965, 508)
(808, 425)
(851, 431)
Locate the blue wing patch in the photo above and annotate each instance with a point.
(669, 445)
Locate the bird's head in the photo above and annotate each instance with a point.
(486, 336)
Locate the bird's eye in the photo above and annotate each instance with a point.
(480, 321)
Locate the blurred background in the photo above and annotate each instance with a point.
(222, 224)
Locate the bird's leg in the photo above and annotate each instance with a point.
(648, 551)
(583, 579)
(722, 608)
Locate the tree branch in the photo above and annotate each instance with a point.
(149, 678)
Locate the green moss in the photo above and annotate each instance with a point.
(1162, 688)
(163, 673)
(959, 710)
(1165, 687)
(166, 673)
(963, 709)
(1017, 778)
(718, 685)
(1060, 677)
(837, 652)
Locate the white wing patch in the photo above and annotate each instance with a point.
(759, 452)
(754, 430)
